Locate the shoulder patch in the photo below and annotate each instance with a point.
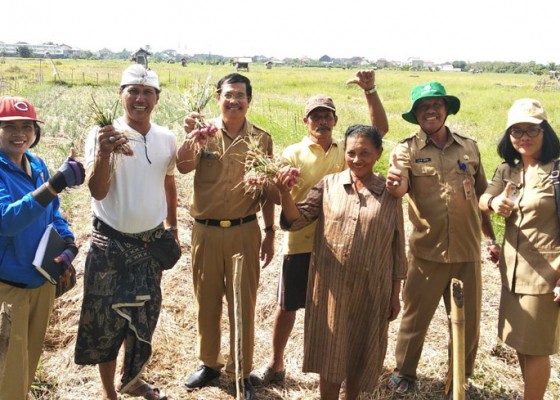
(259, 129)
(463, 136)
(408, 138)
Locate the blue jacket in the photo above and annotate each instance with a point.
(23, 220)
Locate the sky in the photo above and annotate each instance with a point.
(432, 30)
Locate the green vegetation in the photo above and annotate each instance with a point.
(278, 102)
(63, 99)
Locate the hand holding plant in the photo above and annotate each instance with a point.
(262, 170)
(196, 100)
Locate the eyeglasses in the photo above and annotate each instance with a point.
(234, 96)
(531, 132)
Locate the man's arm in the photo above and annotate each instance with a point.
(267, 246)
(171, 199)
(366, 80)
(98, 176)
(188, 153)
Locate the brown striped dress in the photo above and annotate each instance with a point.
(359, 250)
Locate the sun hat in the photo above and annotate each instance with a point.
(16, 108)
(526, 110)
(430, 90)
(139, 75)
(319, 101)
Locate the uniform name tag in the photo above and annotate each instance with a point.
(422, 160)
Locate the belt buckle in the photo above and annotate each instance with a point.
(225, 223)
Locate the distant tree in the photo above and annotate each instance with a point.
(325, 58)
(24, 51)
(459, 64)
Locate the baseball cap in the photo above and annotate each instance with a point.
(319, 101)
(526, 110)
(139, 75)
(430, 90)
(16, 108)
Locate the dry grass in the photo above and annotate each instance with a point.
(174, 357)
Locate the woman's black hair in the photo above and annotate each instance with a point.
(37, 134)
(235, 78)
(550, 149)
(367, 131)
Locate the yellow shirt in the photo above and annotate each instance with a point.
(314, 163)
(446, 223)
(218, 181)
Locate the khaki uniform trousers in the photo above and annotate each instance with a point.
(426, 283)
(212, 249)
(30, 311)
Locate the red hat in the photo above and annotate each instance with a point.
(16, 108)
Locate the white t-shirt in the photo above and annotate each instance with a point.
(136, 199)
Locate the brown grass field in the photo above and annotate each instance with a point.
(64, 109)
(497, 375)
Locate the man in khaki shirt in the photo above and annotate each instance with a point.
(225, 225)
(442, 173)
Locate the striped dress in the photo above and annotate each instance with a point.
(359, 250)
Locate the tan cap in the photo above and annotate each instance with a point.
(319, 101)
(526, 110)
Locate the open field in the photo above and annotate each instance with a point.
(279, 95)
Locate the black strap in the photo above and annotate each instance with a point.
(556, 182)
(112, 233)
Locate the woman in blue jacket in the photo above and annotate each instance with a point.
(28, 204)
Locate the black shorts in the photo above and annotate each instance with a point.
(292, 283)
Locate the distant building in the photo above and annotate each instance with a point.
(53, 50)
(242, 63)
(140, 56)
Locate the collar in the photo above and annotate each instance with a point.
(453, 137)
(377, 185)
(245, 129)
(310, 143)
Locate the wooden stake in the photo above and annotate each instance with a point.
(238, 318)
(5, 331)
(458, 339)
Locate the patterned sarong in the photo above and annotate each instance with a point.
(122, 302)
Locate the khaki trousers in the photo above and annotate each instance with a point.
(426, 283)
(212, 249)
(31, 310)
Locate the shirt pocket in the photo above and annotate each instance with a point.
(208, 170)
(424, 178)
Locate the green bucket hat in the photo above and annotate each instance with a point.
(427, 90)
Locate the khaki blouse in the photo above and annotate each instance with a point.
(530, 257)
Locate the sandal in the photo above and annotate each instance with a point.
(267, 375)
(400, 384)
(147, 391)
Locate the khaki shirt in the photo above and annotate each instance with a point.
(530, 257)
(314, 163)
(446, 224)
(218, 180)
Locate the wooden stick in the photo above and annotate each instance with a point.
(458, 334)
(238, 318)
(5, 331)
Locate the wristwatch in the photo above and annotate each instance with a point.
(271, 228)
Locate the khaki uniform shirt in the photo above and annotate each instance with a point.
(218, 181)
(530, 257)
(446, 221)
(314, 163)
